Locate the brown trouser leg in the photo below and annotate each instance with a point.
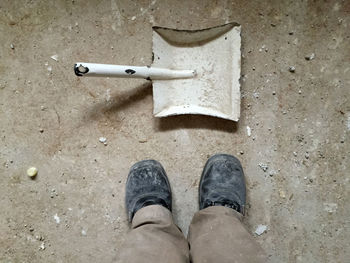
(154, 238)
(217, 235)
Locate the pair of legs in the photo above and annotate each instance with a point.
(216, 233)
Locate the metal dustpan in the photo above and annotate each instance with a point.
(193, 71)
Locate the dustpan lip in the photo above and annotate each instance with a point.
(194, 110)
(234, 24)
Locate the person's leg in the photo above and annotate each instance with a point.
(154, 237)
(216, 233)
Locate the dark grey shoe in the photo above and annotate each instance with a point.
(147, 184)
(222, 183)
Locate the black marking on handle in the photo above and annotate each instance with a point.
(80, 70)
(130, 71)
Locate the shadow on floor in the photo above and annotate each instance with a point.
(189, 121)
(121, 101)
(127, 99)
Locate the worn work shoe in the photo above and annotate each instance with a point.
(222, 183)
(147, 184)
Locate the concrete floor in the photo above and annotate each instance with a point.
(300, 125)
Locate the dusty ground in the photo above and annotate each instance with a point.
(51, 119)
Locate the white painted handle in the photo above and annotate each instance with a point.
(119, 71)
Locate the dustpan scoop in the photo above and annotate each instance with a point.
(193, 71)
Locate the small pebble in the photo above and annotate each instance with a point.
(41, 130)
(272, 173)
(40, 238)
(282, 194)
(310, 57)
(42, 246)
(299, 91)
(307, 155)
(273, 92)
(295, 154)
(32, 172)
(291, 69)
(57, 219)
(249, 131)
(103, 140)
(263, 166)
(241, 152)
(12, 46)
(260, 229)
(54, 57)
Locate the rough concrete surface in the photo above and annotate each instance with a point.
(49, 118)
